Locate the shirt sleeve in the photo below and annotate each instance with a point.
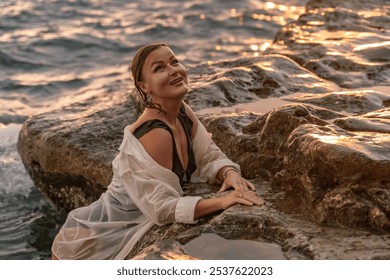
(158, 200)
(209, 157)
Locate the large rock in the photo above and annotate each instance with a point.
(342, 175)
(337, 180)
(258, 142)
(338, 164)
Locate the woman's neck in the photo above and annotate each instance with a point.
(171, 109)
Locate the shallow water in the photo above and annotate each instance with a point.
(213, 247)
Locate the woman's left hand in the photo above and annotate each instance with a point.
(234, 180)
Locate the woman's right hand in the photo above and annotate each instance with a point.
(241, 196)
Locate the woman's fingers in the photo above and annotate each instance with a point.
(223, 188)
(250, 197)
(246, 185)
(239, 185)
(235, 185)
(251, 185)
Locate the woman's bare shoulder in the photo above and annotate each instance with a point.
(158, 144)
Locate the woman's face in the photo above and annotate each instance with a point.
(163, 76)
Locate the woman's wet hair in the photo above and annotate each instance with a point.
(136, 69)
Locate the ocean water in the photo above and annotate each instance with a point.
(55, 52)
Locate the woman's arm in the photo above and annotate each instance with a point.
(229, 175)
(208, 206)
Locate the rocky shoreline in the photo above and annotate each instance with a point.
(321, 162)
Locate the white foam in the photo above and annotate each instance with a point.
(14, 179)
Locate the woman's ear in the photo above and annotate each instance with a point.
(143, 87)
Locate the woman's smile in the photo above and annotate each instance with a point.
(177, 81)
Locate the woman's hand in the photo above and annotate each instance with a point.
(208, 206)
(234, 180)
(245, 197)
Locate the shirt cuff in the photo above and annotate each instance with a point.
(185, 209)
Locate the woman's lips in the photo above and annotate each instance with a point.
(176, 81)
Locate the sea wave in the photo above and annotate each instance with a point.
(61, 37)
(27, 221)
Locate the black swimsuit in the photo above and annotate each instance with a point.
(177, 166)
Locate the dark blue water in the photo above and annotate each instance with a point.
(54, 52)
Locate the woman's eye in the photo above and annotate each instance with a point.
(158, 68)
(175, 62)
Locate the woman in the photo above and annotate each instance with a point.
(166, 147)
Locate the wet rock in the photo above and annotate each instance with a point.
(259, 146)
(315, 153)
(221, 84)
(364, 124)
(353, 102)
(334, 169)
(308, 181)
(330, 39)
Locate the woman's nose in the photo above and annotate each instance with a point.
(174, 70)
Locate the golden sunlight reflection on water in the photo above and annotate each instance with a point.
(278, 13)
